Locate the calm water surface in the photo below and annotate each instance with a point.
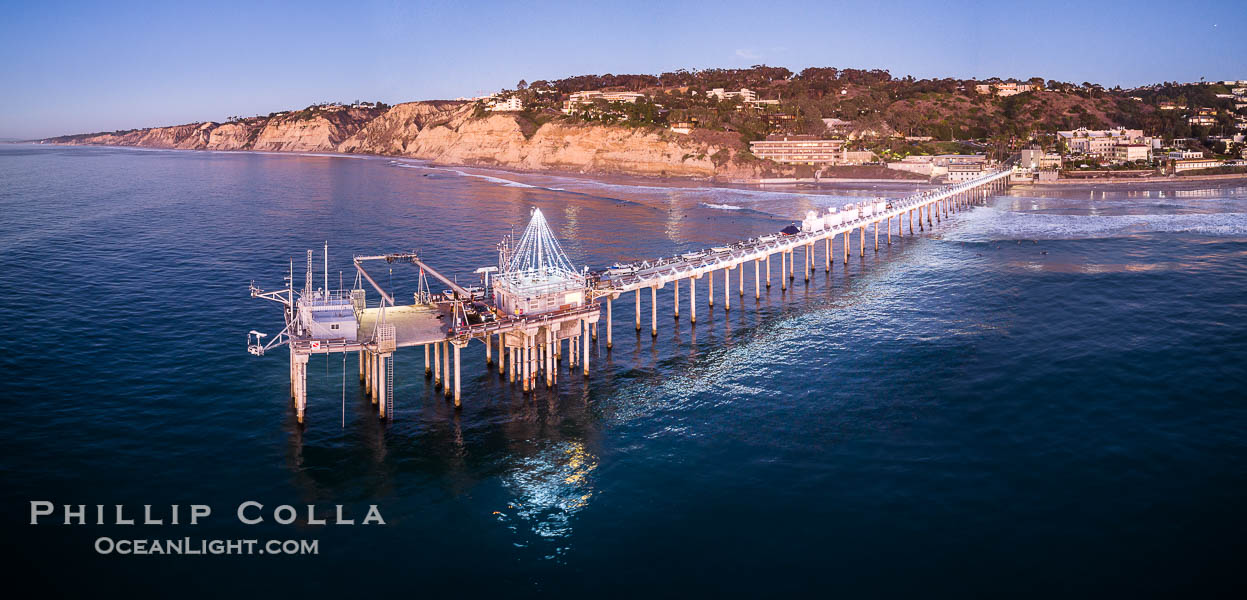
(1046, 395)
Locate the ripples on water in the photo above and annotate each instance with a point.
(1044, 395)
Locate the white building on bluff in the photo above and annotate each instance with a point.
(512, 104)
(745, 94)
(576, 99)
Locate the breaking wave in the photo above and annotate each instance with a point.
(988, 225)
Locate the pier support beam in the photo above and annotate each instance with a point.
(548, 355)
(638, 310)
(768, 271)
(381, 387)
(792, 264)
(809, 248)
(675, 295)
(377, 382)
(502, 355)
(757, 286)
(889, 231)
(827, 267)
(437, 365)
(783, 270)
(653, 311)
(447, 385)
(876, 228)
(692, 300)
(458, 403)
(609, 322)
(846, 247)
(489, 349)
(584, 350)
(861, 241)
(300, 385)
(710, 282)
(428, 369)
(361, 365)
(526, 367)
(727, 290)
(741, 270)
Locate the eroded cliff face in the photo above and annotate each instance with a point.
(391, 132)
(450, 133)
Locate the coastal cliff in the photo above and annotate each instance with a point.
(448, 132)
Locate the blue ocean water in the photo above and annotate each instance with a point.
(1043, 396)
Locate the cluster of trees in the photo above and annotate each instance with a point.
(873, 100)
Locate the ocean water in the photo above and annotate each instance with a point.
(1045, 395)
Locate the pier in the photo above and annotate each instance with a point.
(537, 312)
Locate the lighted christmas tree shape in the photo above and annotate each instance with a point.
(538, 251)
(536, 276)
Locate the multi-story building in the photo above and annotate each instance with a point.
(508, 105)
(1195, 164)
(576, 99)
(1131, 152)
(1100, 142)
(745, 94)
(1004, 89)
(965, 171)
(805, 149)
(1186, 154)
(1038, 160)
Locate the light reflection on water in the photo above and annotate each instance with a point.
(549, 487)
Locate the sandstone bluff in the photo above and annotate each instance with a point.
(449, 132)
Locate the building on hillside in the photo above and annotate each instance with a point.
(511, 104)
(806, 149)
(1202, 120)
(1171, 106)
(914, 164)
(944, 160)
(1195, 164)
(958, 172)
(745, 94)
(1186, 154)
(838, 126)
(576, 99)
(773, 119)
(1124, 153)
(1100, 142)
(856, 157)
(1035, 159)
(683, 127)
(1004, 90)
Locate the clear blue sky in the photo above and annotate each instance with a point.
(70, 67)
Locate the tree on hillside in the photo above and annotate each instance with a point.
(522, 85)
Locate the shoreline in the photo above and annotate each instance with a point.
(722, 180)
(1129, 180)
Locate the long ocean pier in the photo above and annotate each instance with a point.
(538, 312)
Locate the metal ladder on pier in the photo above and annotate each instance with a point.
(389, 388)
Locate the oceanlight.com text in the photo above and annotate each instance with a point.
(204, 547)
